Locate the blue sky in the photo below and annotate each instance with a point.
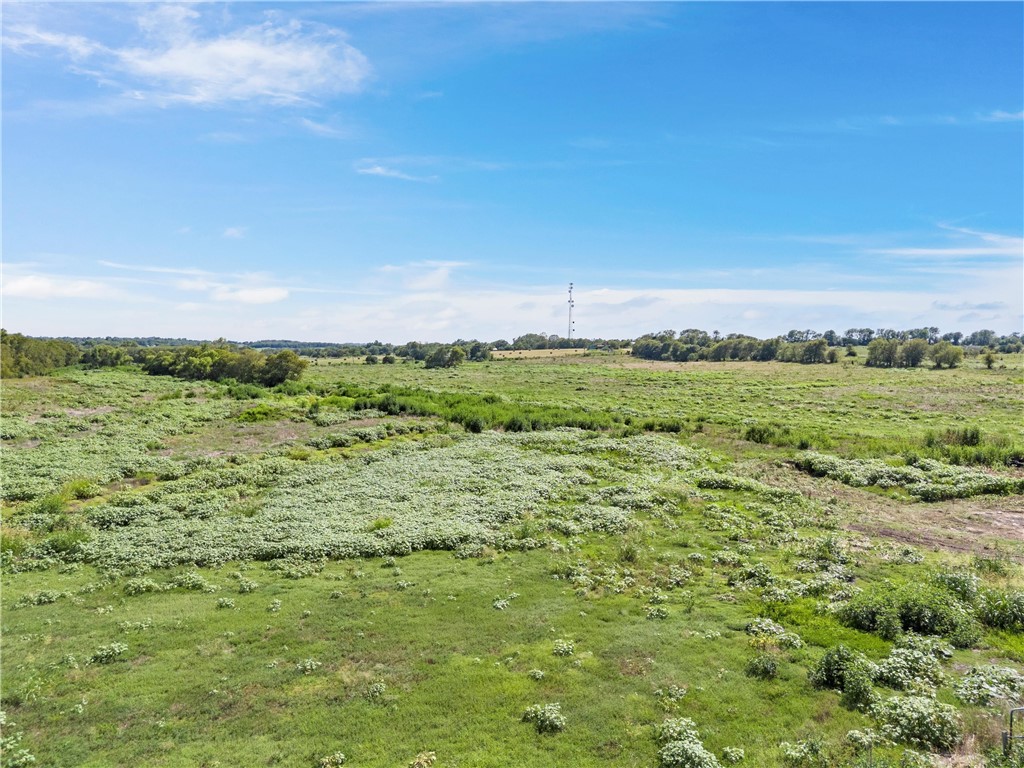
(341, 171)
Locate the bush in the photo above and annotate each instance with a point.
(981, 685)
(1002, 609)
(919, 721)
(888, 610)
(963, 584)
(830, 671)
(909, 669)
(763, 666)
(546, 718)
(105, 654)
(686, 754)
(563, 648)
(858, 688)
(681, 746)
(733, 754)
(805, 754)
(847, 671)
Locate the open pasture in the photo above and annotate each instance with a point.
(386, 561)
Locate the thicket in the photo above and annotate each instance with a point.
(205, 362)
(25, 356)
(887, 348)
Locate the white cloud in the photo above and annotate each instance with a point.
(250, 295)
(234, 233)
(999, 116)
(446, 309)
(422, 276)
(277, 61)
(52, 287)
(969, 243)
(322, 129)
(391, 173)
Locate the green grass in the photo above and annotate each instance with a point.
(491, 547)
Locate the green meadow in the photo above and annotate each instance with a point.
(585, 560)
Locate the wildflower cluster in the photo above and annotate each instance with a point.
(986, 684)
(926, 479)
(919, 721)
(546, 718)
(681, 746)
(563, 648)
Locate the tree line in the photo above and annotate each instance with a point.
(27, 356)
(886, 347)
(261, 361)
(205, 362)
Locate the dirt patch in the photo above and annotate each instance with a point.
(80, 412)
(635, 667)
(976, 525)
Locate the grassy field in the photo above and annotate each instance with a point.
(386, 561)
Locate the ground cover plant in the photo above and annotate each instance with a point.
(579, 560)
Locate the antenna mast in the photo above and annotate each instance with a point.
(571, 305)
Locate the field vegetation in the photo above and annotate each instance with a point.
(567, 560)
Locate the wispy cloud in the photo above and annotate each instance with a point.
(422, 276)
(157, 270)
(251, 295)
(322, 129)
(965, 244)
(242, 288)
(234, 233)
(868, 123)
(278, 61)
(377, 169)
(999, 116)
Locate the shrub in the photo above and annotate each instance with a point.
(963, 584)
(676, 729)
(830, 671)
(193, 581)
(919, 721)
(546, 718)
(681, 746)
(686, 754)
(858, 688)
(732, 754)
(763, 666)
(909, 669)
(332, 761)
(887, 610)
(805, 754)
(308, 666)
(1002, 609)
(563, 648)
(981, 685)
(105, 654)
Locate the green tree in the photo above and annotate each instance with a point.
(456, 357)
(815, 351)
(883, 353)
(281, 367)
(945, 354)
(912, 353)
